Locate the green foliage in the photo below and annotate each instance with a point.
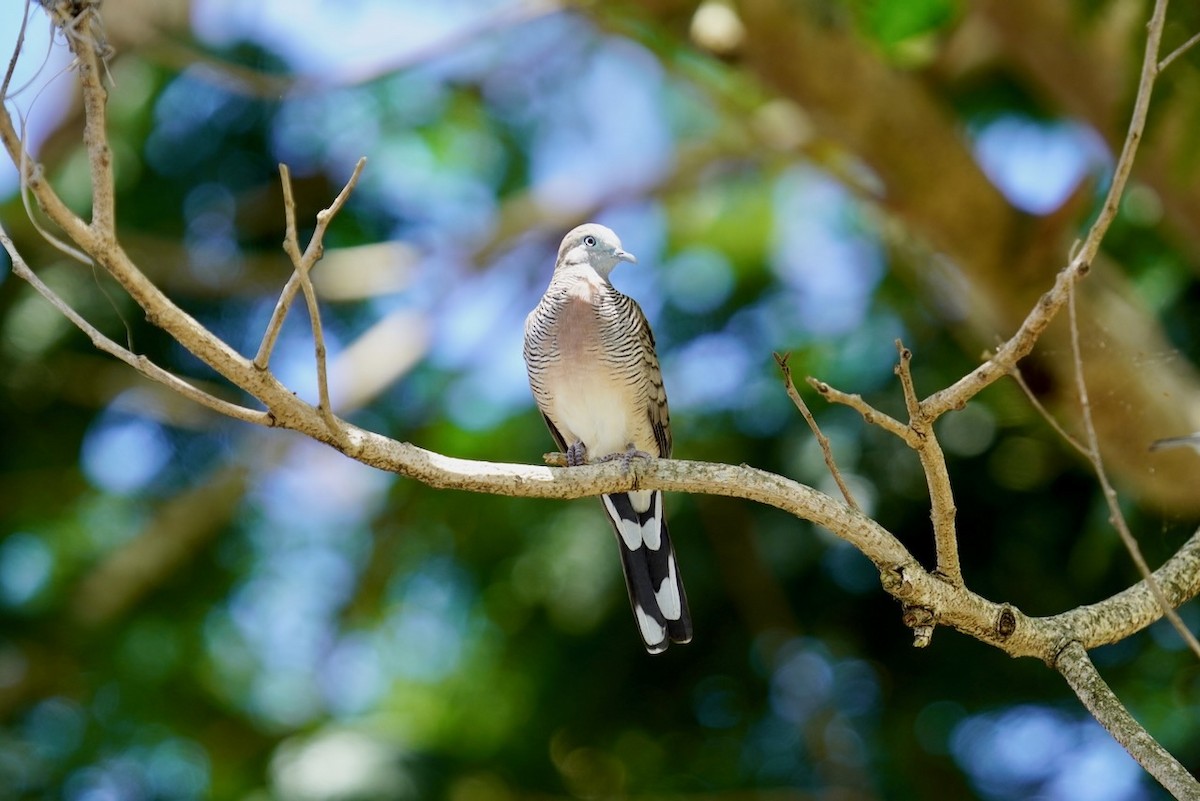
(902, 28)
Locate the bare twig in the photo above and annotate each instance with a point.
(1137, 123)
(1115, 516)
(28, 170)
(140, 363)
(302, 265)
(1008, 354)
(919, 436)
(1179, 51)
(85, 36)
(262, 360)
(1021, 343)
(1075, 666)
(942, 509)
(903, 370)
(822, 440)
(869, 413)
(31, 176)
(311, 254)
(1015, 372)
(17, 48)
(1187, 440)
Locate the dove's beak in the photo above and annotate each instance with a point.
(623, 255)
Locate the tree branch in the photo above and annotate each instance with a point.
(869, 413)
(303, 264)
(822, 440)
(312, 254)
(1179, 51)
(1137, 124)
(84, 30)
(140, 363)
(942, 510)
(1075, 666)
(1135, 608)
(902, 576)
(1115, 516)
(1041, 409)
(17, 48)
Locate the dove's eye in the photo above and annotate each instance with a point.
(590, 241)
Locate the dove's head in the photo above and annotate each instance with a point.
(593, 245)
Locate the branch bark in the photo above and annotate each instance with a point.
(1075, 666)
(942, 510)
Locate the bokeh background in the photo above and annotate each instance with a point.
(194, 608)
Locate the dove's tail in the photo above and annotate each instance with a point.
(651, 576)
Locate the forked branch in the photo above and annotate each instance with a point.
(303, 263)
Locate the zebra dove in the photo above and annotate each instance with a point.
(595, 376)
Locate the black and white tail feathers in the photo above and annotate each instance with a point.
(651, 575)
